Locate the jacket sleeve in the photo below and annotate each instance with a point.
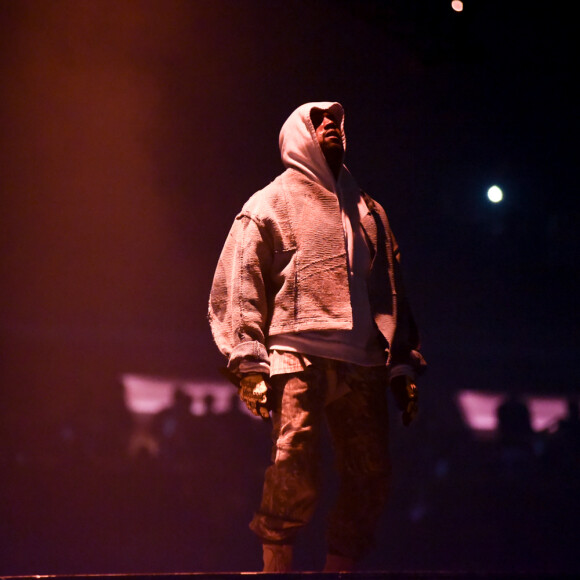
(238, 304)
(387, 294)
(406, 357)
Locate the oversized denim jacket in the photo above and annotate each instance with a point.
(283, 269)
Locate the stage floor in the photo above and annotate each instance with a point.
(427, 575)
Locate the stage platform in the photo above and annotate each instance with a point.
(434, 575)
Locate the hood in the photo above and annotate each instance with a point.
(299, 146)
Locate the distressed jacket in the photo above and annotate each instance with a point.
(283, 269)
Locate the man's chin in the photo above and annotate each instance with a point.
(333, 147)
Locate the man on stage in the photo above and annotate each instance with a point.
(308, 306)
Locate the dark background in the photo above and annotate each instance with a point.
(131, 132)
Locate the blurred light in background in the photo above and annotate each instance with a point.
(479, 410)
(146, 394)
(162, 407)
(495, 194)
(457, 5)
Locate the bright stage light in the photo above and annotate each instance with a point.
(457, 5)
(494, 194)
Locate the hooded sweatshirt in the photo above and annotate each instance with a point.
(300, 150)
(310, 265)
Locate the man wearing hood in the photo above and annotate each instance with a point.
(307, 305)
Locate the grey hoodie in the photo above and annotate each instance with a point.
(284, 269)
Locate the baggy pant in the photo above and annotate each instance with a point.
(358, 425)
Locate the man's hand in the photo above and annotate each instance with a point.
(407, 397)
(254, 393)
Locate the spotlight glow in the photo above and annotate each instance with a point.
(457, 5)
(495, 194)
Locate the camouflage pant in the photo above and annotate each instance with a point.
(358, 424)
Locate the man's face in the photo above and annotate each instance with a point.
(327, 132)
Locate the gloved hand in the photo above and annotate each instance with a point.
(254, 392)
(406, 396)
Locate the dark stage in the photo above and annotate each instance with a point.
(312, 576)
(131, 133)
